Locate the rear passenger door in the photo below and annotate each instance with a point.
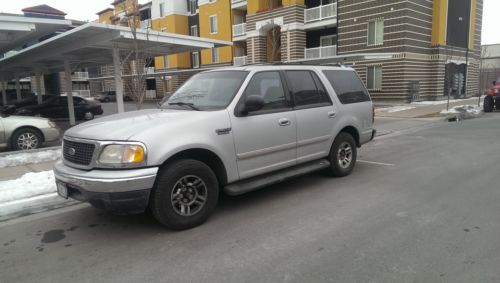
(314, 112)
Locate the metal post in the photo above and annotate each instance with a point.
(69, 91)
(118, 80)
(38, 76)
(4, 93)
(18, 90)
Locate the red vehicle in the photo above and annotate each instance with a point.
(492, 99)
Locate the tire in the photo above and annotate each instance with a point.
(488, 104)
(343, 155)
(177, 209)
(497, 103)
(88, 116)
(26, 139)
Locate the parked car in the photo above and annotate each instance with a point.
(109, 96)
(12, 97)
(235, 129)
(24, 133)
(30, 101)
(57, 107)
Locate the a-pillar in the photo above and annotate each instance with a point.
(4, 92)
(18, 89)
(118, 80)
(69, 92)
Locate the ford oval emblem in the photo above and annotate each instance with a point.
(71, 151)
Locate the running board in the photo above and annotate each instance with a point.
(259, 182)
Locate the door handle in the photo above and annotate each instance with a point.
(332, 114)
(284, 122)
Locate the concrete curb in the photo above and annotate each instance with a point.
(3, 154)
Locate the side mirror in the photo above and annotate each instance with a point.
(253, 102)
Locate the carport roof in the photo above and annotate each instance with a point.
(92, 44)
(16, 30)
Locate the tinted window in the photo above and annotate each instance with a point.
(269, 86)
(347, 86)
(306, 88)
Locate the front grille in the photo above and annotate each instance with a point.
(78, 152)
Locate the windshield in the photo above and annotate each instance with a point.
(207, 91)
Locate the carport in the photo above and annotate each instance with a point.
(90, 45)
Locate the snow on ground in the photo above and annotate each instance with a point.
(28, 186)
(23, 158)
(395, 109)
(438, 102)
(463, 112)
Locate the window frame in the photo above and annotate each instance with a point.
(316, 79)
(197, 66)
(194, 27)
(162, 9)
(216, 25)
(243, 96)
(215, 51)
(375, 81)
(375, 22)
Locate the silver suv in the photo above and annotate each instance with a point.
(234, 129)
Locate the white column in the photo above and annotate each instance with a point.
(18, 89)
(38, 79)
(4, 93)
(118, 80)
(69, 91)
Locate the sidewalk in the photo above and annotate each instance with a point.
(15, 172)
(421, 109)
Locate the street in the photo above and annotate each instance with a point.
(422, 205)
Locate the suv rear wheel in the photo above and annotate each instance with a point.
(185, 194)
(343, 155)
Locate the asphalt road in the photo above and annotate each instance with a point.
(422, 206)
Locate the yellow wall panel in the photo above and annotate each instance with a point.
(175, 24)
(472, 32)
(439, 22)
(222, 9)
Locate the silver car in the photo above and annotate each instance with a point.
(25, 133)
(235, 130)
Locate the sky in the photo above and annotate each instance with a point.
(87, 12)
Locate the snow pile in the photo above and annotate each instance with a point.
(395, 109)
(462, 112)
(437, 102)
(28, 186)
(24, 158)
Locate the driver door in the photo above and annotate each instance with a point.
(265, 140)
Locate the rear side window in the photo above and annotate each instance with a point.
(306, 88)
(347, 86)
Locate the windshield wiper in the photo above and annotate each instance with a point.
(190, 105)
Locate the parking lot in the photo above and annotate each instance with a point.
(421, 206)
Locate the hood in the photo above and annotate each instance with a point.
(131, 125)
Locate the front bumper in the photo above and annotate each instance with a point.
(51, 134)
(124, 191)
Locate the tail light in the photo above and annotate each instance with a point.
(373, 113)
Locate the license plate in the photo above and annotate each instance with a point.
(62, 190)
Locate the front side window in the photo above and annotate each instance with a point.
(348, 87)
(376, 32)
(269, 86)
(374, 77)
(306, 88)
(207, 91)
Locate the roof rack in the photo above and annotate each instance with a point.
(292, 64)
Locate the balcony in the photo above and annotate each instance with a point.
(146, 24)
(150, 94)
(320, 52)
(239, 4)
(240, 61)
(239, 30)
(320, 13)
(149, 70)
(80, 76)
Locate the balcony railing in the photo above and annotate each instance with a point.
(80, 76)
(239, 29)
(240, 61)
(151, 94)
(320, 13)
(149, 70)
(320, 52)
(146, 24)
(238, 3)
(82, 92)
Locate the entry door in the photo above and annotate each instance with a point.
(265, 140)
(315, 115)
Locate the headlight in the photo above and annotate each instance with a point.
(52, 124)
(122, 154)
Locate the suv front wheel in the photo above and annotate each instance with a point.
(343, 155)
(185, 194)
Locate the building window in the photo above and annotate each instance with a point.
(374, 77)
(162, 10)
(195, 58)
(192, 6)
(328, 40)
(213, 24)
(215, 55)
(376, 32)
(194, 31)
(165, 62)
